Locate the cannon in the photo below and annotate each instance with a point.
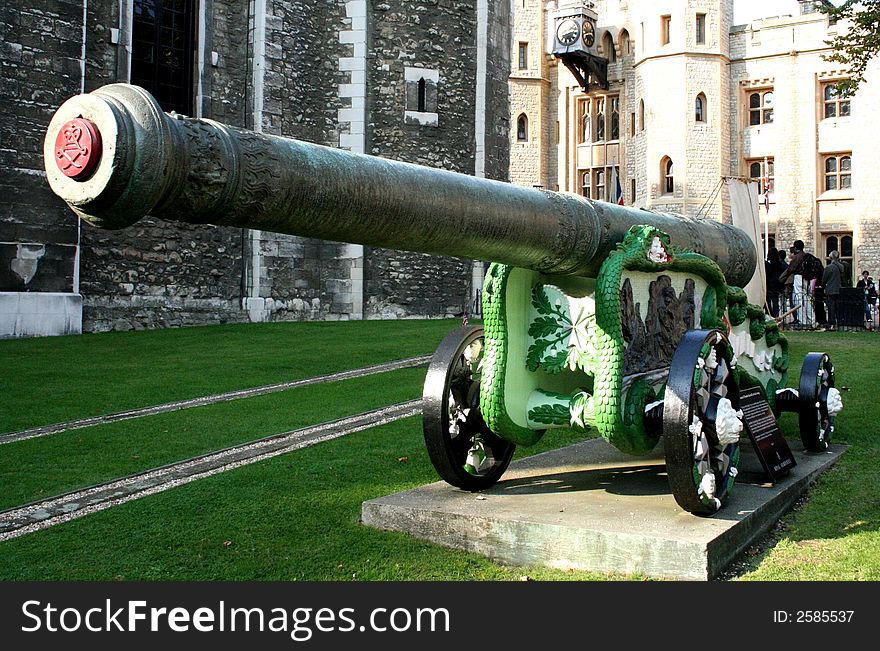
(596, 316)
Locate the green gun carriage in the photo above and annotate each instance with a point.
(596, 316)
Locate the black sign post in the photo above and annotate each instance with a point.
(771, 448)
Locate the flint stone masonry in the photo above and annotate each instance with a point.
(40, 66)
(298, 277)
(333, 73)
(411, 285)
(439, 36)
(158, 274)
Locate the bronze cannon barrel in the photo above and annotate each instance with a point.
(114, 157)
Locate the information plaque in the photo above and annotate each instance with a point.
(770, 446)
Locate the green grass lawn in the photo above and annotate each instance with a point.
(835, 534)
(296, 516)
(47, 380)
(42, 467)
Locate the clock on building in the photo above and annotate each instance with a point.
(589, 34)
(567, 32)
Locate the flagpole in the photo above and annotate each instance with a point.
(766, 209)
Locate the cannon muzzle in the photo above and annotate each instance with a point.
(114, 157)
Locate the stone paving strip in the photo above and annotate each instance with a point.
(70, 506)
(45, 430)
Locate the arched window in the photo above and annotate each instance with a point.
(600, 185)
(641, 115)
(615, 118)
(846, 247)
(522, 128)
(585, 184)
(755, 171)
(625, 43)
(838, 172)
(761, 108)
(700, 107)
(608, 47)
(835, 105)
(600, 119)
(843, 244)
(764, 177)
(422, 95)
(666, 175)
(586, 134)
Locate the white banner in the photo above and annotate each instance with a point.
(746, 216)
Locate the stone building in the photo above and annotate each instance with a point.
(424, 81)
(693, 98)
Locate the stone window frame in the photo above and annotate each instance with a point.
(624, 42)
(665, 29)
(605, 116)
(595, 182)
(830, 98)
(203, 55)
(838, 174)
(834, 240)
(600, 183)
(667, 176)
(613, 104)
(700, 28)
(608, 49)
(421, 86)
(759, 106)
(641, 115)
(522, 128)
(701, 109)
(584, 132)
(757, 174)
(173, 95)
(523, 60)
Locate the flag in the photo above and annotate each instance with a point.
(618, 192)
(766, 186)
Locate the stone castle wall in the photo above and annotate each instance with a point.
(40, 66)
(160, 274)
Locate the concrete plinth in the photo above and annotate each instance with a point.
(39, 314)
(590, 507)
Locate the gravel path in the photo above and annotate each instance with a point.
(69, 506)
(207, 400)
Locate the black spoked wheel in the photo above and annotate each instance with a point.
(702, 422)
(818, 402)
(464, 451)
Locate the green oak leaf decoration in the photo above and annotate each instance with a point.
(553, 414)
(559, 340)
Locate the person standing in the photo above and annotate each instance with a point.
(792, 277)
(872, 302)
(774, 268)
(832, 281)
(869, 291)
